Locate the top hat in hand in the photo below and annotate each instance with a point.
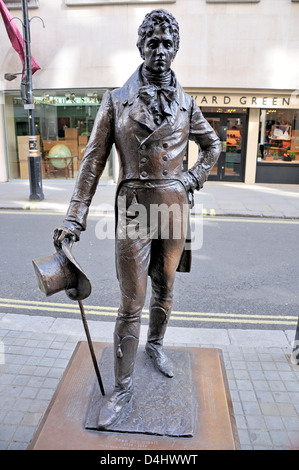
(61, 271)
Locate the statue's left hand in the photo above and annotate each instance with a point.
(190, 181)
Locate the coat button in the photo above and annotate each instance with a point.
(143, 147)
(143, 160)
(144, 174)
(165, 145)
(165, 158)
(165, 172)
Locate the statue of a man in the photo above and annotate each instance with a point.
(150, 120)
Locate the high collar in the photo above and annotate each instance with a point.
(164, 79)
(130, 89)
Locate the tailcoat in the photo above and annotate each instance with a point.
(146, 151)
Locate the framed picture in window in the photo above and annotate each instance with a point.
(281, 132)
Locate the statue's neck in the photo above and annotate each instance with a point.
(158, 79)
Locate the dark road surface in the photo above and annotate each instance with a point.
(245, 275)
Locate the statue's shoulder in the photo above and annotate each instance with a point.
(188, 98)
(185, 99)
(128, 90)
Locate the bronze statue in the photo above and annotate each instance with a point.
(150, 120)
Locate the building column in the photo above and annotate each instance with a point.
(252, 145)
(3, 168)
(115, 164)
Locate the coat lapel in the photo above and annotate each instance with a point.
(139, 110)
(171, 123)
(129, 97)
(139, 113)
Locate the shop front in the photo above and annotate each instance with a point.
(259, 132)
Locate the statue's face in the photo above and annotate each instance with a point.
(158, 51)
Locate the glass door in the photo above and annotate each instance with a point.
(232, 131)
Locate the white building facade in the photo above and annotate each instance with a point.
(239, 59)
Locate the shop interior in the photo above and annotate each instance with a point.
(279, 136)
(230, 124)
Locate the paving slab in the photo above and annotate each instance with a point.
(259, 338)
(264, 384)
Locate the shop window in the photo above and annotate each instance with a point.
(279, 136)
(62, 119)
(15, 5)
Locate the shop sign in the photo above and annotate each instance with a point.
(247, 100)
(63, 100)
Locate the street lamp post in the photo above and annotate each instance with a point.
(34, 160)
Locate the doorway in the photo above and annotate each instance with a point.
(232, 131)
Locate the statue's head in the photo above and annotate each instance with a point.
(158, 35)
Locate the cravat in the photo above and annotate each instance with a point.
(158, 100)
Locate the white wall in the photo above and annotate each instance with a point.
(253, 45)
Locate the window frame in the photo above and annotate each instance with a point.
(17, 5)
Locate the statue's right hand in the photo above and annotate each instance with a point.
(69, 231)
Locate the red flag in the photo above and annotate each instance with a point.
(15, 37)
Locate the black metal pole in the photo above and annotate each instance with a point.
(34, 159)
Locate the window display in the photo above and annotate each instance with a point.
(279, 136)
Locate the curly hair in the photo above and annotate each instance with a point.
(165, 20)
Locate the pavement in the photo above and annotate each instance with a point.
(263, 378)
(216, 198)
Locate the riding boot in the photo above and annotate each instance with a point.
(154, 346)
(125, 349)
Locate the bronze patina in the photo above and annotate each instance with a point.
(150, 120)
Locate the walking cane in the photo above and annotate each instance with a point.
(61, 271)
(93, 356)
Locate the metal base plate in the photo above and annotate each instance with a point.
(160, 405)
(63, 426)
